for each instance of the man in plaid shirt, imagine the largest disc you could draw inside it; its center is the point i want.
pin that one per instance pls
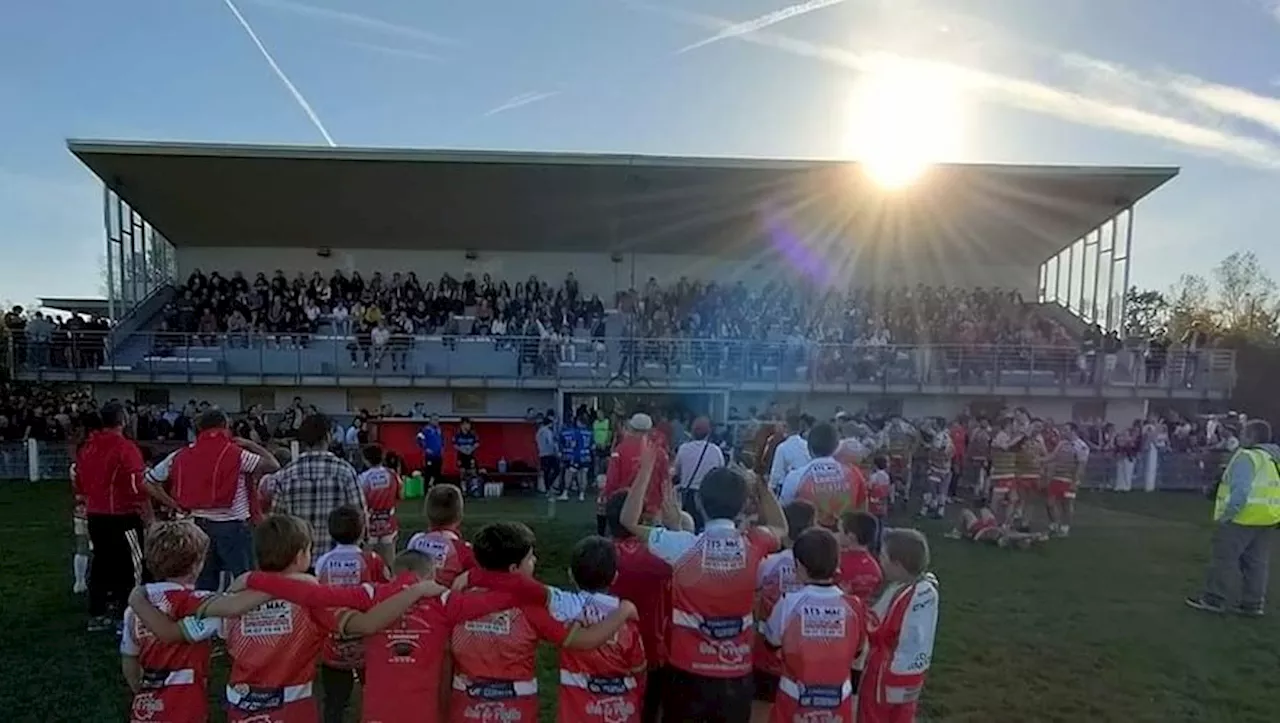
(315, 484)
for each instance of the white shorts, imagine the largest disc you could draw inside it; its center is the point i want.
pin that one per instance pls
(80, 525)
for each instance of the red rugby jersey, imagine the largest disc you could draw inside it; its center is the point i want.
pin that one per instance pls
(645, 580)
(382, 492)
(346, 566)
(452, 554)
(860, 574)
(174, 675)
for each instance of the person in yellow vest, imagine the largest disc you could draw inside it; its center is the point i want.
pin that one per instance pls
(1247, 512)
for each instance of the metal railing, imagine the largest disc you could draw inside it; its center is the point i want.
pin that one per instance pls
(1171, 470)
(208, 357)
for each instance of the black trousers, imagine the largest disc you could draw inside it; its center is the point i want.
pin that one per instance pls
(690, 697)
(689, 503)
(116, 566)
(336, 685)
(655, 684)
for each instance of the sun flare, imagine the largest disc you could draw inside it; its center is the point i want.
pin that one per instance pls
(904, 116)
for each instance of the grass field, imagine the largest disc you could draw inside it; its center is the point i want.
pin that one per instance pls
(1086, 629)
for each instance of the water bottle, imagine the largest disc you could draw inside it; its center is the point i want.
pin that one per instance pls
(502, 465)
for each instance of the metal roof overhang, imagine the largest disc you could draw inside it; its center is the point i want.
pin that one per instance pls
(240, 195)
(75, 305)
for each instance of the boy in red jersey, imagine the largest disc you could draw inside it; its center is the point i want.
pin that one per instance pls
(495, 656)
(904, 621)
(275, 645)
(777, 577)
(404, 662)
(1067, 459)
(604, 685)
(168, 678)
(645, 580)
(860, 573)
(345, 565)
(442, 542)
(831, 487)
(879, 488)
(821, 630)
(382, 492)
(980, 525)
(713, 581)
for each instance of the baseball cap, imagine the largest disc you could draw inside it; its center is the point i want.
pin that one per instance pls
(640, 422)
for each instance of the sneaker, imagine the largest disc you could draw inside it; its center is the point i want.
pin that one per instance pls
(1199, 603)
(80, 588)
(99, 623)
(581, 497)
(1248, 611)
(564, 497)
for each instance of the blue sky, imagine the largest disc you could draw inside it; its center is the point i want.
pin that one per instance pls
(1194, 83)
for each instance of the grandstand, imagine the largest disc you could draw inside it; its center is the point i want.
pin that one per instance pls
(835, 291)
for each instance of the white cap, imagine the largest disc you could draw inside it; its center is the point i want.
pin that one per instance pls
(640, 422)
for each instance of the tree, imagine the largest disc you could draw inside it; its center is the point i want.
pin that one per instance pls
(1146, 311)
(1248, 305)
(1190, 304)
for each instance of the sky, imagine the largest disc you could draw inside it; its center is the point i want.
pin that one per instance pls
(1191, 83)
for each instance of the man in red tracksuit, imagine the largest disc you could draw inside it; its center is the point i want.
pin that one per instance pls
(109, 471)
(625, 464)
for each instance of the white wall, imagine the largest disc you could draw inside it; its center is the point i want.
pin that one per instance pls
(596, 272)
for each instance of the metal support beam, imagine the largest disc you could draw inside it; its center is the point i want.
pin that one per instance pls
(1128, 251)
(1111, 273)
(106, 230)
(1097, 269)
(1071, 271)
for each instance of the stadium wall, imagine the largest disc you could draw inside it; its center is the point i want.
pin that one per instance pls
(480, 403)
(598, 273)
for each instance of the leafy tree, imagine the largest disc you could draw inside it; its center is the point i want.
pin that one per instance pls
(1146, 311)
(1247, 303)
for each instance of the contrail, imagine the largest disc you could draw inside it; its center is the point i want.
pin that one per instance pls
(297, 95)
(523, 99)
(356, 20)
(762, 22)
(396, 52)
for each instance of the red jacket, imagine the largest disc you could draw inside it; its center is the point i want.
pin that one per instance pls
(624, 465)
(206, 474)
(109, 473)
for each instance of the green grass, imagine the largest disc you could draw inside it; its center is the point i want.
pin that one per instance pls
(1090, 628)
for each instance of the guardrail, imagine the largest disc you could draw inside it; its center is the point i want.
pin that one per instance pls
(1174, 471)
(209, 357)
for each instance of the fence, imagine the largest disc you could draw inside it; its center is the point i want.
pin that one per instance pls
(209, 357)
(1183, 471)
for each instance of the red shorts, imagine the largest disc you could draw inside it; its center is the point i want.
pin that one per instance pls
(581, 706)
(787, 709)
(174, 703)
(383, 524)
(1002, 485)
(1062, 489)
(1028, 483)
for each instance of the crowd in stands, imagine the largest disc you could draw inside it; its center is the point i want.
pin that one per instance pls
(43, 340)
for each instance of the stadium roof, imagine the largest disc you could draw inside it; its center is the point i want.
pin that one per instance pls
(241, 195)
(76, 305)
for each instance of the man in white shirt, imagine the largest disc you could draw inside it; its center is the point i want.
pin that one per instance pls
(694, 459)
(792, 453)
(230, 538)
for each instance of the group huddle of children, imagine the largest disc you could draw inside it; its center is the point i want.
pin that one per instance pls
(809, 623)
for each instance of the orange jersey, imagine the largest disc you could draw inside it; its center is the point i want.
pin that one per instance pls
(382, 492)
(451, 553)
(174, 675)
(346, 566)
(604, 685)
(832, 488)
(777, 577)
(274, 649)
(860, 573)
(494, 661)
(820, 631)
(713, 586)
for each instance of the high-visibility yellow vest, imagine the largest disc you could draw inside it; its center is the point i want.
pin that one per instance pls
(1263, 507)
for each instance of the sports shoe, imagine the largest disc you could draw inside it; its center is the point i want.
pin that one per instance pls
(1248, 611)
(564, 497)
(581, 497)
(80, 588)
(1199, 603)
(99, 624)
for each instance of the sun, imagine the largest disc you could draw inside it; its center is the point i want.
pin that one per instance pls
(904, 116)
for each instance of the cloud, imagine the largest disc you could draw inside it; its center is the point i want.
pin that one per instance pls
(762, 22)
(396, 52)
(1134, 115)
(1230, 100)
(356, 20)
(288, 84)
(521, 100)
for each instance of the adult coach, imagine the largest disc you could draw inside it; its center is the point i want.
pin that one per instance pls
(431, 442)
(215, 477)
(315, 484)
(694, 460)
(109, 472)
(1247, 510)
